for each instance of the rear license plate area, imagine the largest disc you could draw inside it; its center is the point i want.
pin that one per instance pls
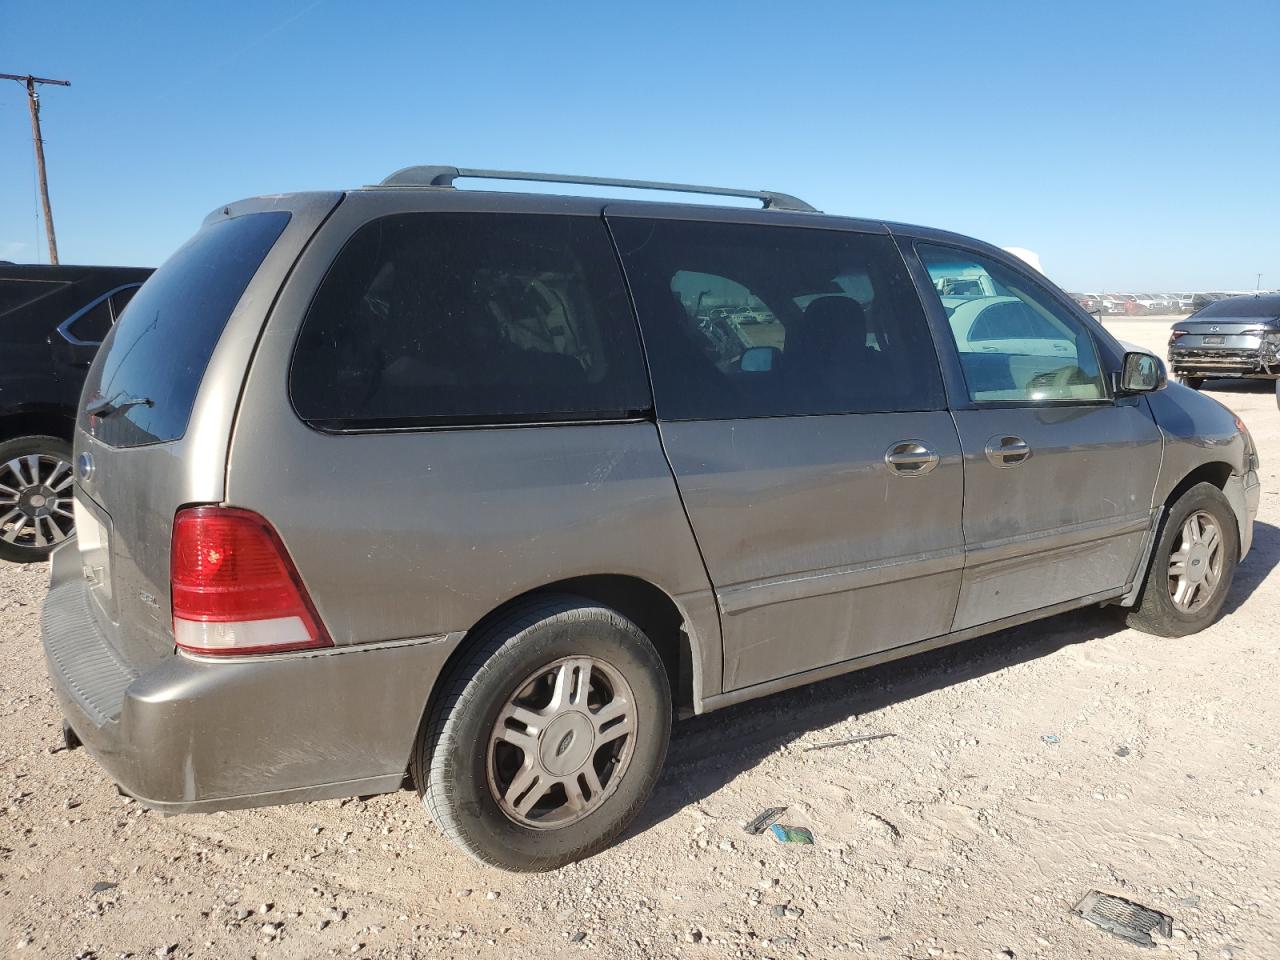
(93, 537)
(1214, 341)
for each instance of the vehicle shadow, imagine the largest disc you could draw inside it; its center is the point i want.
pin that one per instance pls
(1239, 386)
(1263, 558)
(709, 751)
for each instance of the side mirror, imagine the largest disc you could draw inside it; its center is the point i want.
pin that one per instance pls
(1142, 373)
(758, 359)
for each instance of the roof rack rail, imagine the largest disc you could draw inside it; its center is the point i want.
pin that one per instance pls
(433, 176)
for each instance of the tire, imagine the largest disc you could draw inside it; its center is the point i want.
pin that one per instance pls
(1156, 611)
(458, 768)
(27, 532)
(1195, 383)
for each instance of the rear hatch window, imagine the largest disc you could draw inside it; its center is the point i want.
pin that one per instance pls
(1242, 308)
(144, 381)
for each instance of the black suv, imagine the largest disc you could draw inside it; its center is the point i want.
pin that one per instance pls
(52, 320)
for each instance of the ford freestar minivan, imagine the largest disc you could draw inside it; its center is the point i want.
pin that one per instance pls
(479, 489)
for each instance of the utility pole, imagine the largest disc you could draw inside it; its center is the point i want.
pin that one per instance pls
(33, 101)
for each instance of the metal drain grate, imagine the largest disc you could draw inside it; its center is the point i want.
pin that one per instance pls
(1125, 919)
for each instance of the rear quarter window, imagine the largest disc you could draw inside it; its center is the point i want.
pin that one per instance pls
(159, 349)
(433, 319)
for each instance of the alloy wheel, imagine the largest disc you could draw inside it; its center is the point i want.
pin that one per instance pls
(35, 501)
(562, 742)
(1195, 565)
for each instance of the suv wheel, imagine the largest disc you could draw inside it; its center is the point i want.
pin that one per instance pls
(547, 739)
(35, 497)
(1192, 566)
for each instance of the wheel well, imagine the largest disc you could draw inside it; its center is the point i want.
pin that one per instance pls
(16, 425)
(1216, 473)
(645, 605)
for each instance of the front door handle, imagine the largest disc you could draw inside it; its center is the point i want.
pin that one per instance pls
(1008, 451)
(911, 458)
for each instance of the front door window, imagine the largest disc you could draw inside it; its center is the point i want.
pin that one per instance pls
(1016, 342)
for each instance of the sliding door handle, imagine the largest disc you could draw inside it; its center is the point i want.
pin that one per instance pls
(1008, 451)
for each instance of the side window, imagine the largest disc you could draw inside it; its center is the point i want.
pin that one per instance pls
(93, 325)
(766, 321)
(433, 318)
(1016, 342)
(120, 299)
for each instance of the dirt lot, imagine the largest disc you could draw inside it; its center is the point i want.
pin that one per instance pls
(1024, 770)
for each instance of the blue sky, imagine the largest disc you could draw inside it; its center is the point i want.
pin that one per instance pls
(1132, 145)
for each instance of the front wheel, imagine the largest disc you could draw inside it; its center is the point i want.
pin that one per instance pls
(1192, 566)
(547, 739)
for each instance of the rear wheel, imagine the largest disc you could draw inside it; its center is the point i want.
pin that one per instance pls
(545, 742)
(1192, 566)
(35, 497)
(1195, 383)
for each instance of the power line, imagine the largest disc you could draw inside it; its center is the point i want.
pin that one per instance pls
(33, 101)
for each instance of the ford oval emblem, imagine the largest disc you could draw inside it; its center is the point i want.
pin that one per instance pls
(84, 466)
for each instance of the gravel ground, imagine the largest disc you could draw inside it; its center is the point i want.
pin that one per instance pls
(1024, 770)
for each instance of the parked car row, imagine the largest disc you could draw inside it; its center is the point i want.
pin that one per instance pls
(480, 489)
(52, 320)
(1146, 304)
(1134, 304)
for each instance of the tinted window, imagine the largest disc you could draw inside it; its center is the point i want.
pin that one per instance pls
(1243, 307)
(120, 299)
(431, 318)
(1016, 341)
(161, 346)
(93, 325)
(761, 321)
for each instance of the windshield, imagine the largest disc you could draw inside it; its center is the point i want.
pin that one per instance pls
(143, 383)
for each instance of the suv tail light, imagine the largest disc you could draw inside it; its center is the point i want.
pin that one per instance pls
(234, 588)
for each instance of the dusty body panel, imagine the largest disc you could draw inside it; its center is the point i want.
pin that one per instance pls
(1068, 521)
(1198, 430)
(135, 491)
(801, 524)
(187, 735)
(440, 527)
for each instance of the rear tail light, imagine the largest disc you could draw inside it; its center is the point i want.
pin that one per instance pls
(234, 588)
(1175, 335)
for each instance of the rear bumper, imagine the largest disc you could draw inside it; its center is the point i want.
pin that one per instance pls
(194, 735)
(1233, 362)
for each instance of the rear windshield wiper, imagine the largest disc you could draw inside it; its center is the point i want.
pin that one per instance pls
(105, 408)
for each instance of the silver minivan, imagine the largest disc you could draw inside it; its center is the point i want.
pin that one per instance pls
(474, 491)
